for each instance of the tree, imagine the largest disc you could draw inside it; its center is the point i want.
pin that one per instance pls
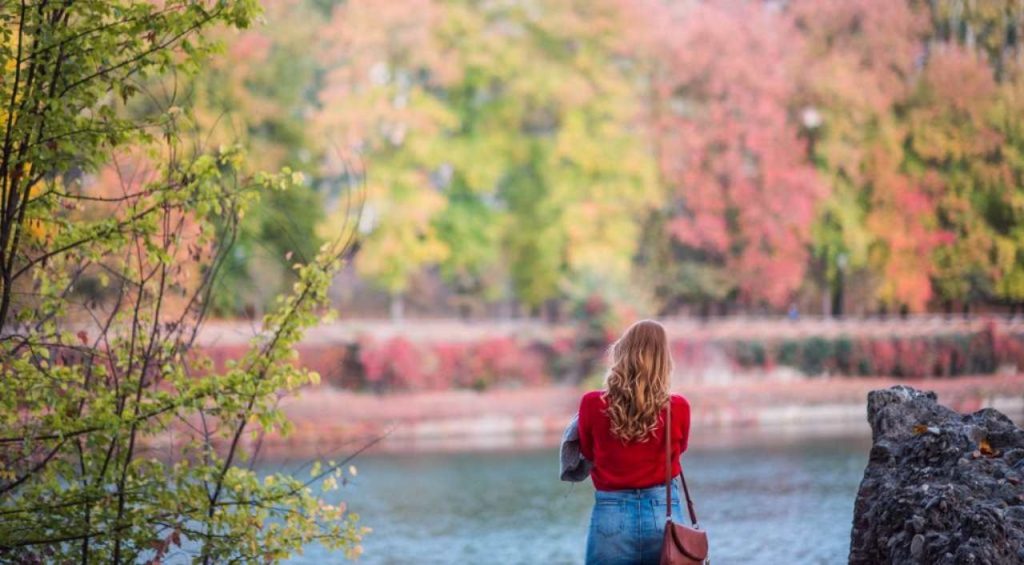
(103, 289)
(991, 28)
(967, 127)
(501, 143)
(376, 102)
(859, 66)
(955, 151)
(258, 93)
(744, 195)
(1005, 205)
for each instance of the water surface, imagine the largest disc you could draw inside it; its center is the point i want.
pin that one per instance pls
(787, 500)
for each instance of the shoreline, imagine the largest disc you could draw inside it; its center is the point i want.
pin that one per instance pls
(228, 332)
(329, 421)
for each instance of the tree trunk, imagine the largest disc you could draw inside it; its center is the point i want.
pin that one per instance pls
(837, 298)
(397, 307)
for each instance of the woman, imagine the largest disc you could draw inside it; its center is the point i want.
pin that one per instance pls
(621, 432)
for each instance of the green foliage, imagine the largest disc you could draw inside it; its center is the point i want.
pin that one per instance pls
(844, 355)
(944, 355)
(789, 353)
(498, 140)
(816, 353)
(750, 353)
(269, 239)
(118, 442)
(258, 93)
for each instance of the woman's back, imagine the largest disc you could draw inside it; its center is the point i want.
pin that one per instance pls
(629, 465)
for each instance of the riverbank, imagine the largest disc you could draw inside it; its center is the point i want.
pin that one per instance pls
(225, 333)
(331, 421)
(439, 355)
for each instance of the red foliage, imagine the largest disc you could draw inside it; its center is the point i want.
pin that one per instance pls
(452, 363)
(395, 363)
(563, 345)
(407, 368)
(374, 363)
(861, 51)
(502, 359)
(1009, 350)
(689, 353)
(981, 352)
(745, 189)
(915, 358)
(327, 360)
(399, 364)
(882, 355)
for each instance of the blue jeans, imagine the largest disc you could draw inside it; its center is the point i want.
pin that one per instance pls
(626, 526)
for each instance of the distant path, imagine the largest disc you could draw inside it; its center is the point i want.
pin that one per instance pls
(238, 332)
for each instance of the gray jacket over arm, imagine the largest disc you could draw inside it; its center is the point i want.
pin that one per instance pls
(574, 467)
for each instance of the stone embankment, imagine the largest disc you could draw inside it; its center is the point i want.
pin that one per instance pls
(940, 487)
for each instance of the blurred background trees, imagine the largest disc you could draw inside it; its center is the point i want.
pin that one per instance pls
(522, 157)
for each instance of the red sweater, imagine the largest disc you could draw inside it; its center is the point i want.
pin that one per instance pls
(619, 465)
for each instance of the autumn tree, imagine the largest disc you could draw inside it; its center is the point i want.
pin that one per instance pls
(93, 381)
(957, 153)
(500, 140)
(744, 195)
(879, 219)
(968, 129)
(662, 154)
(377, 108)
(917, 143)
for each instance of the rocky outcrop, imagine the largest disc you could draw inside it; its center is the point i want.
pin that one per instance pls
(939, 487)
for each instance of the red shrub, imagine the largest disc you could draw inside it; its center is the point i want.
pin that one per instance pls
(1009, 350)
(451, 364)
(945, 355)
(563, 345)
(501, 360)
(327, 360)
(399, 364)
(884, 356)
(916, 358)
(408, 364)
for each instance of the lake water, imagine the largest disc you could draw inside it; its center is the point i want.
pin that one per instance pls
(775, 501)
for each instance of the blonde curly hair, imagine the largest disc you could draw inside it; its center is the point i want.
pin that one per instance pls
(637, 382)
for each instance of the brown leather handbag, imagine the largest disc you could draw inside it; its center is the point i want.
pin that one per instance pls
(682, 544)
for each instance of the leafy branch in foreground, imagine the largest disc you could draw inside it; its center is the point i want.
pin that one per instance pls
(119, 442)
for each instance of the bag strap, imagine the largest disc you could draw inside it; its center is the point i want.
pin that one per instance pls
(668, 471)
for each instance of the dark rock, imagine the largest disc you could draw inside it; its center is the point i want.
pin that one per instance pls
(1013, 456)
(917, 546)
(939, 487)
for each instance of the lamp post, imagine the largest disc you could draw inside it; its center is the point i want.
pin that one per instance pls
(811, 120)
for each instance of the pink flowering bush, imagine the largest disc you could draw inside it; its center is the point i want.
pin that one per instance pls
(393, 364)
(397, 364)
